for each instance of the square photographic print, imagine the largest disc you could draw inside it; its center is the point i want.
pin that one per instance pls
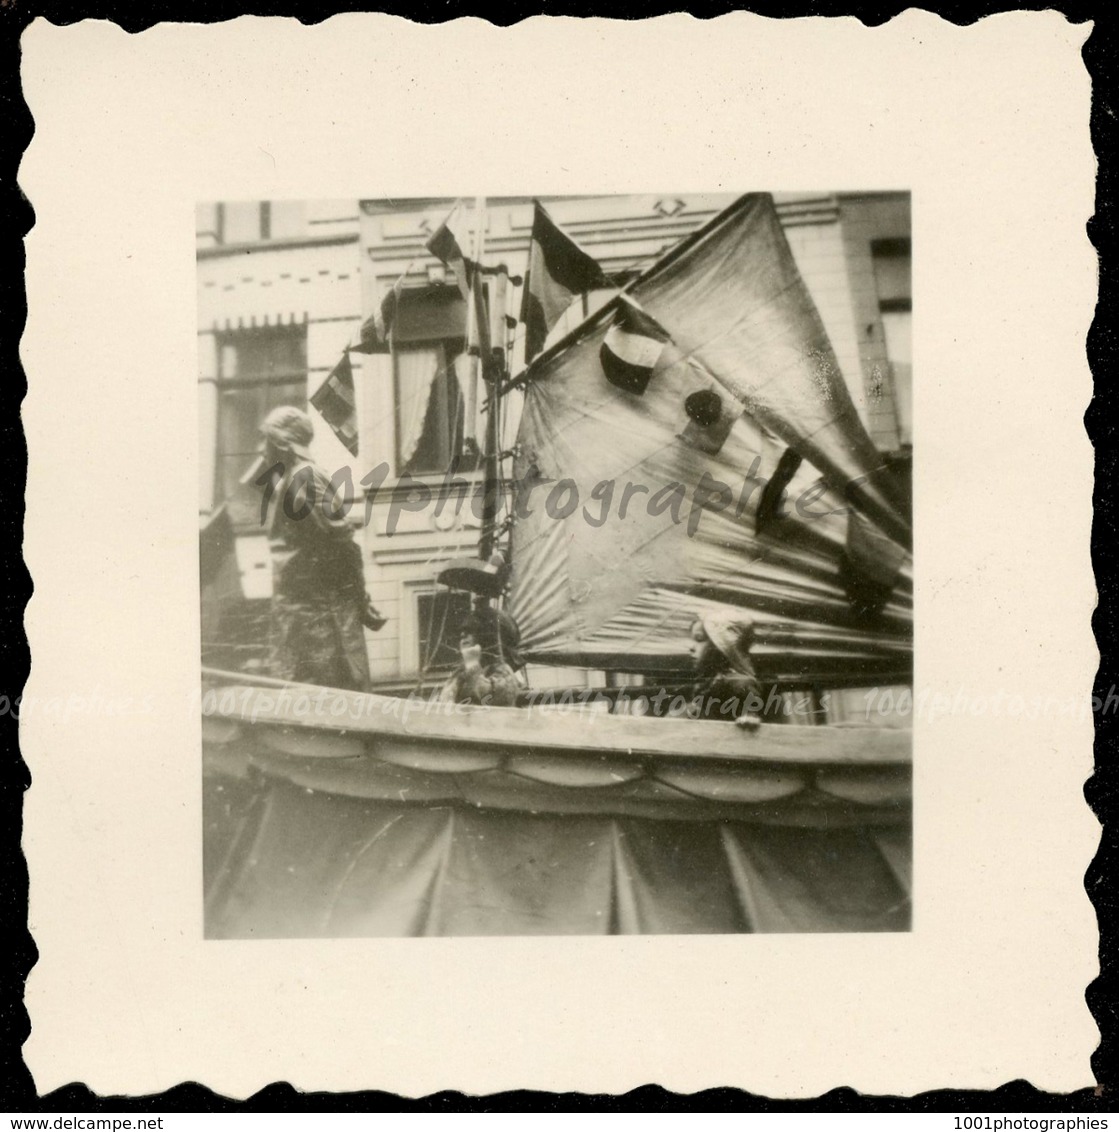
(557, 724)
(556, 564)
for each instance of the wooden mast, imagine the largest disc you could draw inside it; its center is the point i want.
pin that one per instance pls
(486, 355)
(490, 318)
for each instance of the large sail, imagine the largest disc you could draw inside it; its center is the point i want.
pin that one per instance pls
(638, 504)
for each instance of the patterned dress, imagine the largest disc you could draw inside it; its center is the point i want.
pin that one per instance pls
(318, 588)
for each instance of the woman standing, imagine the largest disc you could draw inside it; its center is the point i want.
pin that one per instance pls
(319, 605)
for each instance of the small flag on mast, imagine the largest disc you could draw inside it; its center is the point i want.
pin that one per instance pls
(558, 270)
(447, 244)
(632, 347)
(335, 401)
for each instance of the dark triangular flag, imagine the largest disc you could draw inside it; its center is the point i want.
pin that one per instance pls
(632, 347)
(335, 400)
(448, 244)
(558, 270)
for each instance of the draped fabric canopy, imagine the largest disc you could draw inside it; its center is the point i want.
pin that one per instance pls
(283, 861)
(631, 520)
(524, 824)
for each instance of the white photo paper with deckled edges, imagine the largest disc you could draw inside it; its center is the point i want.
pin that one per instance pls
(176, 171)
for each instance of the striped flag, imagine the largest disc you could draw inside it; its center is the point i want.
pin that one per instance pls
(447, 244)
(632, 347)
(558, 270)
(374, 337)
(335, 401)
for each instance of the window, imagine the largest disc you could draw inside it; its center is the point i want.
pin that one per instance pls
(258, 369)
(429, 407)
(439, 621)
(892, 277)
(431, 374)
(244, 222)
(897, 326)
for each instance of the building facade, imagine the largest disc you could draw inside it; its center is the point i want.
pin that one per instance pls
(284, 287)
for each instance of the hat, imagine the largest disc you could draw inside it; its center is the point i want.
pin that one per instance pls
(486, 579)
(289, 429)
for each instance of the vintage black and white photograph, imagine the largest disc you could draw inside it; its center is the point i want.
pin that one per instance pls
(506, 615)
(556, 564)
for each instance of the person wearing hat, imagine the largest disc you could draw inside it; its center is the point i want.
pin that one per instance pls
(725, 673)
(319, 605)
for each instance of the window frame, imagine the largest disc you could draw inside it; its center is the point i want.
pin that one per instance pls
(886, 249)
(227, 383)
(413, 636)
(413, 336)
(265, 225)
(454, 439)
